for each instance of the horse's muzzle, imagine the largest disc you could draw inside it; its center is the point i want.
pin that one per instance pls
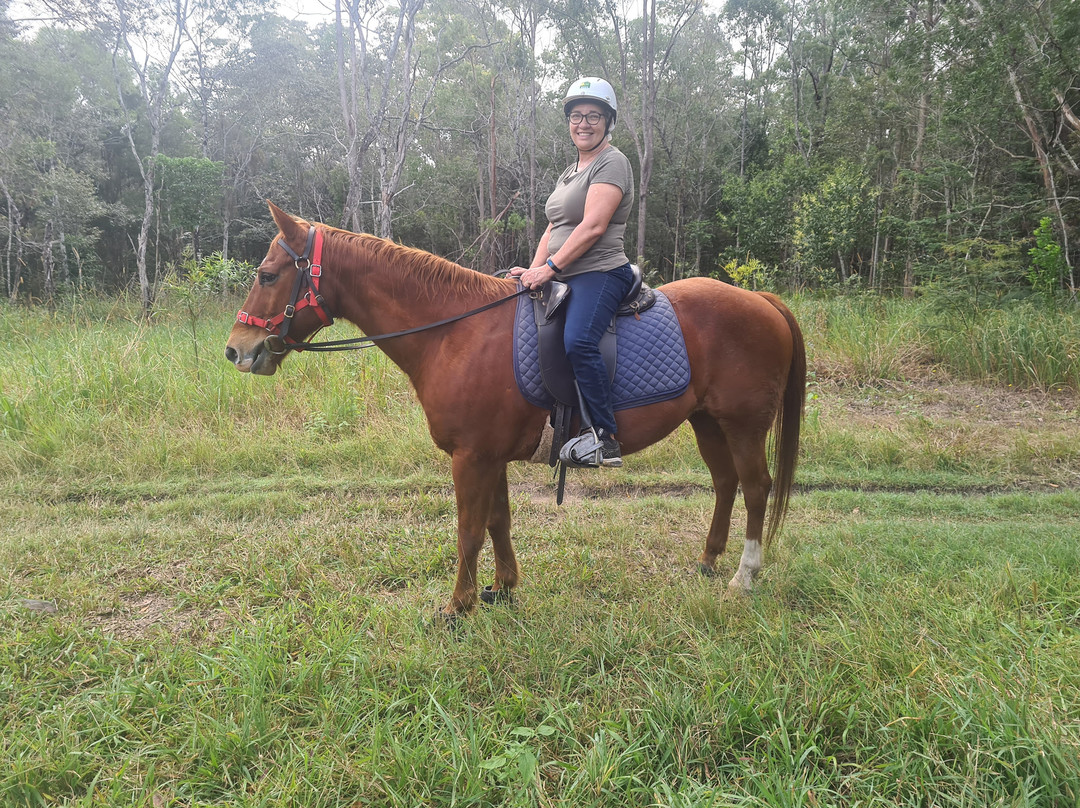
(256, 359)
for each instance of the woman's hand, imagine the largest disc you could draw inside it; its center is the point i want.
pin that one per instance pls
(533, 277)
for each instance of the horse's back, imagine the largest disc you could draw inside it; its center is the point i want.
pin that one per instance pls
(739, 342)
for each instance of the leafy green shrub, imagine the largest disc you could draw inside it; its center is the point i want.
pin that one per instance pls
(976, 275)
(832, 218)
(1047, 268)
(750, 275)
(195, 283)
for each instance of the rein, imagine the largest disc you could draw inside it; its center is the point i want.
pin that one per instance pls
(358, 343)
(311, 272)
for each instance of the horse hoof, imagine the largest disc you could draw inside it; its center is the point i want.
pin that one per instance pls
(494, 597)
(443, 621)
(739, 589)
(706, 570)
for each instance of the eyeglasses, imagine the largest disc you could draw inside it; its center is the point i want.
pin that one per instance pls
(593, 117)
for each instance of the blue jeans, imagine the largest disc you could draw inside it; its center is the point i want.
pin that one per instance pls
(593, 299)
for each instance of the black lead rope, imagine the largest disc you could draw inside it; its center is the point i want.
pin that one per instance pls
(359, 343)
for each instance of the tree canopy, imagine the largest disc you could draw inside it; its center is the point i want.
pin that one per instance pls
(850, 143)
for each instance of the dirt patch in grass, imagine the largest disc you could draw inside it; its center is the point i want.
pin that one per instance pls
(942, 399)
(140, 616)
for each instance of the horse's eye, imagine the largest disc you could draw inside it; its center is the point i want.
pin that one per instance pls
(267, 278)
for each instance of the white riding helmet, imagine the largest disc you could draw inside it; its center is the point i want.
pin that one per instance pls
(591, 88)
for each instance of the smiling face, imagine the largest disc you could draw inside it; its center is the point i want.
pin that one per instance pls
(588, 136)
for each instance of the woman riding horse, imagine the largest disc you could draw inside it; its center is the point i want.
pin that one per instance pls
(745, 350)
(583, 246)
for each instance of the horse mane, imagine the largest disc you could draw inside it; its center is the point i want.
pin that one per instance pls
(433, 273)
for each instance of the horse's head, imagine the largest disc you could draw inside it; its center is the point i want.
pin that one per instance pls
(284, 305)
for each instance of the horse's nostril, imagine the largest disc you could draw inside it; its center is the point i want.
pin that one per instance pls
(232, 355)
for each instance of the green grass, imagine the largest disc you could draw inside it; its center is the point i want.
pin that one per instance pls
(244, 572)
(869, 338)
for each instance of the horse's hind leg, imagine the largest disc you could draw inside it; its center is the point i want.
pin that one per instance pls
(712, 443)
(751, 463)
(506, 566)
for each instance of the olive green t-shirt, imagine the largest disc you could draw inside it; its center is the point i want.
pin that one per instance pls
(566, 208)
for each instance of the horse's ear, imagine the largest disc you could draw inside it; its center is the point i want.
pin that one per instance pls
(289, 227)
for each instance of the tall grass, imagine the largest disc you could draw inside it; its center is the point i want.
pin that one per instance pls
(93, 392)
(868, 338)
(862, 338)
(1026, 346)
(96, 392)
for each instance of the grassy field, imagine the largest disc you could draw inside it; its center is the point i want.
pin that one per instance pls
(216, 590)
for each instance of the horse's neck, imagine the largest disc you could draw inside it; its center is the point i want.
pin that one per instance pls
(385, 288)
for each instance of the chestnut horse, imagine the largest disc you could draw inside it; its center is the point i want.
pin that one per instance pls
(747, 362)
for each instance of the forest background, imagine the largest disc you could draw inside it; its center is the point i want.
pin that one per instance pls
(820, 143)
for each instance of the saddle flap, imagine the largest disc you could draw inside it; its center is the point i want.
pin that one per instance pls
(554, 367)
(557, 292)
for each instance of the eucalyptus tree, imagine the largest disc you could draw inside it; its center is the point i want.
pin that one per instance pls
(602, 37)
(816, 34)
(1033, 45)
(147, 38)
(364, 85)
(528, 22)
(274, 118)
(390, 61)
(700, 140)
(924, 16)
(55, 110)
(755, 29)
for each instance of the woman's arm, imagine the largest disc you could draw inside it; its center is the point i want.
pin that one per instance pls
(538, 265)
(541, 256)
(600, 205)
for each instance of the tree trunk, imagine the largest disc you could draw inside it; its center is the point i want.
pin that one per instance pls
(492, 238)
(350, 214)
(922, 116)
(145, 292)
(648, 118)
(48, 262)
(531, 224)
(12, 276)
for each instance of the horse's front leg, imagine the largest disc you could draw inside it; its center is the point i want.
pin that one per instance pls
(476, 481)
(506, 566)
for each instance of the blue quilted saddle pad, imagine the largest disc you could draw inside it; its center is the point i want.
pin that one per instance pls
(651, 364)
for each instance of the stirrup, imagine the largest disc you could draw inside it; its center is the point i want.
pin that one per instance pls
(586, 451)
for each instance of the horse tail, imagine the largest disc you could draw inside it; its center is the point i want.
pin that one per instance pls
(788, 422)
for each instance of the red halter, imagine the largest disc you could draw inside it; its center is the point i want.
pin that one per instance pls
(308, 272)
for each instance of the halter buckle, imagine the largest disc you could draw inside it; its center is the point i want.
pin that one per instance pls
(242, 317)
(315, 270)
(290, 310)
